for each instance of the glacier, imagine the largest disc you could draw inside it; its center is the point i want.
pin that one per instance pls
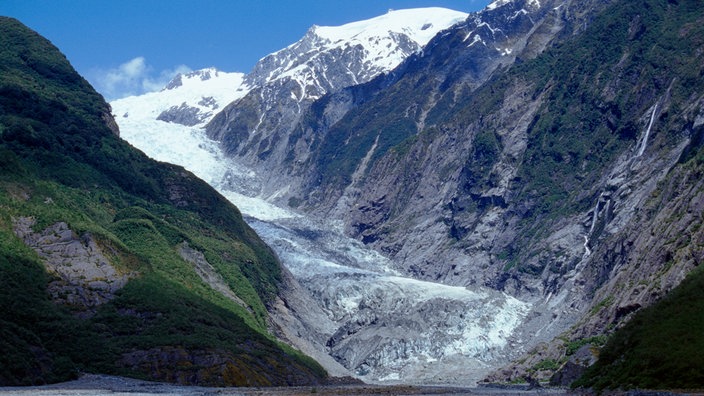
(389, 328)
(205, 91)
(379, 325)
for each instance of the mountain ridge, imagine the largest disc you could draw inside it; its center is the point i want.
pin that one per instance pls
(199, 107)
(276, 105)
(379, 45)
(491, 193)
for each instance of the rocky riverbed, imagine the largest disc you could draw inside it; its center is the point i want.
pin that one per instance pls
(103, 385)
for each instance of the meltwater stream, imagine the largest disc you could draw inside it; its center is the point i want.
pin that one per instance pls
(381, 326)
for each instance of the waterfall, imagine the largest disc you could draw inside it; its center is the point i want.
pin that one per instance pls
(595, 217)
(596, 214)
(644, 143)
(587, 251)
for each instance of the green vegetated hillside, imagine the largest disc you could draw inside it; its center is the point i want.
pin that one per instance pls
(595, 89)
(99, 247)
(660, 348)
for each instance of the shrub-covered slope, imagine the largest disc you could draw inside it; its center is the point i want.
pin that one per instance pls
(111, 262)
(660, 348)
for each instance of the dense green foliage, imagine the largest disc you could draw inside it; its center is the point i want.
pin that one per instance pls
(592, 90)
(636, 64)
(61, 162)
(31, 324)
(595, 89)
(660, 348)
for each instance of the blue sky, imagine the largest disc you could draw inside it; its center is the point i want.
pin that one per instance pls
(145, 42)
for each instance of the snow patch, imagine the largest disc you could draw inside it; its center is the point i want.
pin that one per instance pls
(504, 51)
(497, 3)
(476, 39)
(500, 3)
(207, 90)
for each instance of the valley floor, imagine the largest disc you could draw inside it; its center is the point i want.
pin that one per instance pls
(103, 385)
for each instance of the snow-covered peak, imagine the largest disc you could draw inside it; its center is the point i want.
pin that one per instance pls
(326, 58)
(418, 24)
(334, 57)
(197, 96)
(496, 4)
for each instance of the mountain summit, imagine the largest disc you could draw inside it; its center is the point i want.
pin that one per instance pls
(329, 58)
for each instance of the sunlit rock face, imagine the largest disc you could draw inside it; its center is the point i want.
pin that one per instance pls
(83, 278)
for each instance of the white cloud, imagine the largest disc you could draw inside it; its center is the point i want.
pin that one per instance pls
(133, 77)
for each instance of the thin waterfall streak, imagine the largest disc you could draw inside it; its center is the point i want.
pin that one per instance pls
(587, 251)
(607, 209)
(644, 143)
(594, 218)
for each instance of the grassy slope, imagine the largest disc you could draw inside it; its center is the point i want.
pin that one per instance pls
(59, 161)
(661, 47)
(636, 50)
(591, 110)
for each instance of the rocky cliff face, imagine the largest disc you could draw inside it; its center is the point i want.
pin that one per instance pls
(520, 151)
(502, 191)
(287, 123)
(83, 277)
